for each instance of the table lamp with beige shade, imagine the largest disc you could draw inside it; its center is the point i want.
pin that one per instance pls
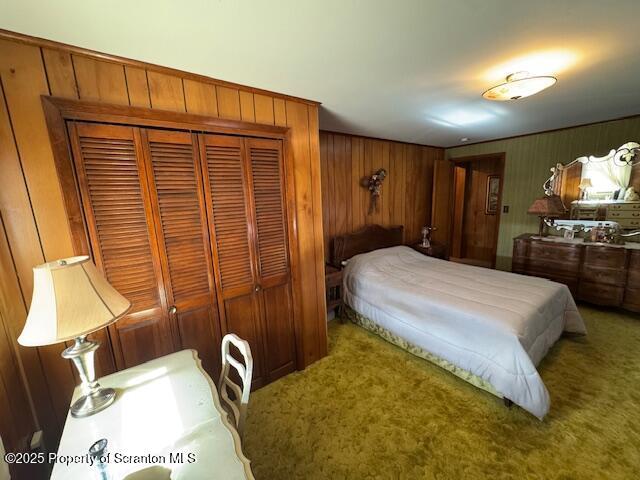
(585, 185)
(71, 299)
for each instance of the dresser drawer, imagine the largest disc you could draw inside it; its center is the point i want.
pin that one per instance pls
(633, 207)
(600, 294)
(570, 280)
(633, 278)
(554, 252)
(520, 248)
(629, 224)
(623, 214)
(554, 266)
(632, 299)
(610, 257)
(608, 276)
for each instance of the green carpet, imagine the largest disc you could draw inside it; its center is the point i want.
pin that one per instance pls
(370, 410)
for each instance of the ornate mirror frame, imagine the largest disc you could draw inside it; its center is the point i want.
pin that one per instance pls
(556, 184)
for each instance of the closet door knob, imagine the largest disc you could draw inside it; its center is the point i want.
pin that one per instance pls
(173, 310)
(257, 288)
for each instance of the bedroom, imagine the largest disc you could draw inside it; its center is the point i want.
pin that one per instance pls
(271, 170)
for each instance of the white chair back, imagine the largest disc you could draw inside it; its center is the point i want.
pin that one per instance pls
(237, 407)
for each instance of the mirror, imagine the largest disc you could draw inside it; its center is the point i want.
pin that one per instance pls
(614, 211)
(600, 189)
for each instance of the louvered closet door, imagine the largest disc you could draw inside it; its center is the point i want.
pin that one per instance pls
(176, 189)
(225, 178)
(113, 186)
(267, 181)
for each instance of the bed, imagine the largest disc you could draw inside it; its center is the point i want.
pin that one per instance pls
(489, 327)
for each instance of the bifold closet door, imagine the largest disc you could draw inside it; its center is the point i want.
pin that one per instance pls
(267, 182)
(225, 177)
(244, 179)
(109, 162)
(173, 168)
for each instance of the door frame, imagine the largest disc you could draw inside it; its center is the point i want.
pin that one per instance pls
(457, 162)
(58, 111)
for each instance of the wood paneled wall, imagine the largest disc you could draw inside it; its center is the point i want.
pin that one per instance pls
(406, 192)
(31, 202)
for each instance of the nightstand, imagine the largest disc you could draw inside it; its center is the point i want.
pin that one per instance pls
(437, 250)
(333, 286)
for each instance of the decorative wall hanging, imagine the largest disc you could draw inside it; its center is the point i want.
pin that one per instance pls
(493, 194)
(374, 185)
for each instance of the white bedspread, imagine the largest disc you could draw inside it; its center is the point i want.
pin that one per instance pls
(496, 325)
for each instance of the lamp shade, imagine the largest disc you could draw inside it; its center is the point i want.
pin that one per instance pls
(585, 183)
(70, 299)
(548, 206)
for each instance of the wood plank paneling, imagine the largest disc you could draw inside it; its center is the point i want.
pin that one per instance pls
(15, 206)
(279, 112)
(304, 173)
(137, 86)
(324, 170)
(358, 193)
(59, 67)
(397, 181)
(200, 98)
(228, 103)
(13, 311)
(12, 376)
(166, 92)
(263, 109)
(100, 81)
(247, 109)
(24, 80)
(406, 192)
(320, 338)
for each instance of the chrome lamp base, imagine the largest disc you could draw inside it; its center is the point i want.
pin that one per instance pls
(94, 398)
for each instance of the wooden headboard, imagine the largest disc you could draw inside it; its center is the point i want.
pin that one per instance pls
(371, 237)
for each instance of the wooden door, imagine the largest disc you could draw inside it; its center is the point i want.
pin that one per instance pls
(475, 229)
(175, 183)
(113, 187)
(459, 187)
(442, 204)
(225, 174)
(272, 254)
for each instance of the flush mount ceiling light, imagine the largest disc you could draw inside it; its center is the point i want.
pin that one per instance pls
(519, 85)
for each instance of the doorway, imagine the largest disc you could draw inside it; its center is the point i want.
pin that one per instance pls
(477, 194)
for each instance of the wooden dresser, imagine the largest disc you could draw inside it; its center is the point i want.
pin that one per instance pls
(602, 274)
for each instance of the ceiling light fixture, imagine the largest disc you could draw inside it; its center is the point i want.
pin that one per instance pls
(519, 85)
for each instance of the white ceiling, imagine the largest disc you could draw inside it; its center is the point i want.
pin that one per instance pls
(411, 70)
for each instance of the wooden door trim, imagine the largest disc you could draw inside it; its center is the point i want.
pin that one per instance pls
(501, 157)
(58, 111)
(483, 156)
(83, 110)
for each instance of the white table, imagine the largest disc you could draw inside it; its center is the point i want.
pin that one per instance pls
(165, 406)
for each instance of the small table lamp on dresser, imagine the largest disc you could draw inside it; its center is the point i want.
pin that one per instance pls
(71, 299)
(548, 206)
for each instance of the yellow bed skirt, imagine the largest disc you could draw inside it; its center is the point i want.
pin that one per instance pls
(373, 327)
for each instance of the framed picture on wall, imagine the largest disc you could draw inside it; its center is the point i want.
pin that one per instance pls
(493, 194)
